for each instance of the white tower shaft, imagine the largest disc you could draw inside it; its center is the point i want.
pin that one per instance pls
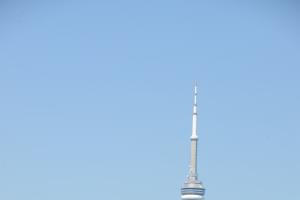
(193, 188)
(194, 140)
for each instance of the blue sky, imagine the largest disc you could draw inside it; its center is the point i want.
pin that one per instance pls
(96, 98)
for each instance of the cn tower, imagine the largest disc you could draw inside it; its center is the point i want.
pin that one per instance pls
(193, 188)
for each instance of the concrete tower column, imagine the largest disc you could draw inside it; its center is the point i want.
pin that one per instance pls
(194, 139)
(193, 188)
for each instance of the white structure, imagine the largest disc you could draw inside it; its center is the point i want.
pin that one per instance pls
(193, 188)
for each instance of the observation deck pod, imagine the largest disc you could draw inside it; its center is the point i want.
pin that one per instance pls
(192, 191)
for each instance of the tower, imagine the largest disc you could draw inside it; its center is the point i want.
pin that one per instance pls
(193, 188)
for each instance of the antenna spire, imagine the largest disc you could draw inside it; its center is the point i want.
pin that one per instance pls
(194, 125)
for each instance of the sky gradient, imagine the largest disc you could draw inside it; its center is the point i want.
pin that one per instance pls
(96, 98)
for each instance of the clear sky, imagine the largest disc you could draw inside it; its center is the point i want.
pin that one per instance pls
(96, 98)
